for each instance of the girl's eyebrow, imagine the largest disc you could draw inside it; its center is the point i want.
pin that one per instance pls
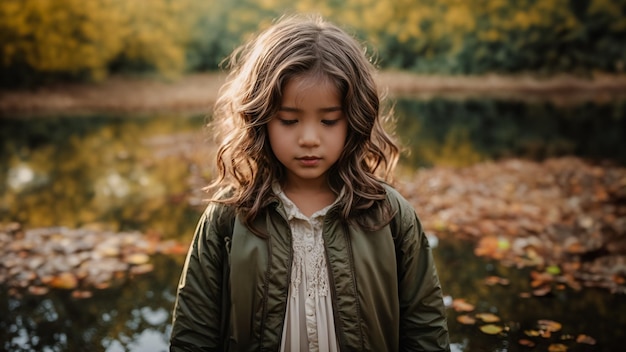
(326, 110)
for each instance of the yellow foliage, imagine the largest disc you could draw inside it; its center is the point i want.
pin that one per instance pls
(78, 36)
(86, 36)
(457, 151)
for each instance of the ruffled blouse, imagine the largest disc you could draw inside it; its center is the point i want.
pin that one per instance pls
(309, 324)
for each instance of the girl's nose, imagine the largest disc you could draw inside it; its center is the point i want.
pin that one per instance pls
(309, 136)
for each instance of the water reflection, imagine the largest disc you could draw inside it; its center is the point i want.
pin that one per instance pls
(124, 173)
(136, 315)
(459, 133)
(133, 316)
(144, 173)
(591, 311)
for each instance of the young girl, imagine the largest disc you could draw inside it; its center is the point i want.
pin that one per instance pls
(305, 248)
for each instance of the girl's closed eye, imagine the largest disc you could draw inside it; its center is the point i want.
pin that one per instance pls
(287, 122)
(330, 122)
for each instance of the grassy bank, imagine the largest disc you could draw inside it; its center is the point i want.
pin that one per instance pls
(196, 93)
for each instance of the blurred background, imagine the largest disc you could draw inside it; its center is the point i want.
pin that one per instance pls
(70, 39)
(512, 114)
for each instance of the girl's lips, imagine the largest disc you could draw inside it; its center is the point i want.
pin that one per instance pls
(309, 160)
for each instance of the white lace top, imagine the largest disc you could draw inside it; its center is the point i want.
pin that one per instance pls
(309, 324)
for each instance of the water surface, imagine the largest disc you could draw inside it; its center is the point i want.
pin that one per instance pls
(145, 173)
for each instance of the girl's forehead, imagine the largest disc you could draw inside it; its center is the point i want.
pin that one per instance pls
(310, 86)
(307, 80)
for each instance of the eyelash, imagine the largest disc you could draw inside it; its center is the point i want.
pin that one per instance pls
(287, 122)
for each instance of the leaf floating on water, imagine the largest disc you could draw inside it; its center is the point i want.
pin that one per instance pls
(66, 281)
(493, 280)
(142, 269)
(137, 259)
(38, 290)
(586, 339)
(491, 329)
(526, 342)
(460, 305)
(108, 251)
(540, 279)
(542, 291)
(488, 317)
(532, 332)
(557, 347)
(466, 319)
(80, 294)
(549, 325)
(553, 270)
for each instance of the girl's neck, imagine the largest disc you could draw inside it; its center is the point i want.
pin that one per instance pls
(310, 199)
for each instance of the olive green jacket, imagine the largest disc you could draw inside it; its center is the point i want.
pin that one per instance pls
(233, 290)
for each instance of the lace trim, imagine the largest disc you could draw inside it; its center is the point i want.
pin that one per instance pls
(309, 261)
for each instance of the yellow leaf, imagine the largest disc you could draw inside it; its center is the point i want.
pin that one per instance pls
(488, 317)
(137, 259)
(549, 325)
(491, 329)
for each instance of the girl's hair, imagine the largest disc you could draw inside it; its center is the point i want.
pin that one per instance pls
(252, 94)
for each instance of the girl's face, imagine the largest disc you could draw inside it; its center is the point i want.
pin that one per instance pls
(308, 133)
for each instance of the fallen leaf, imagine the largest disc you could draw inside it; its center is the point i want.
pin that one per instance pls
(460, 305)
(38, 290)
(66, 281)
(493, 280)
(488, 317)
(542, 291)
(557, 347)
(142, 269)
(526, 342)
(549, 325)
(466, 319)
(586, 339)
(491, 329)
(82, 294)
(553, 270)
(532, 332)
(137, 259)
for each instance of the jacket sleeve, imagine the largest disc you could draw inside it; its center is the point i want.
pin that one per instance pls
(198, 317)
(423, 323)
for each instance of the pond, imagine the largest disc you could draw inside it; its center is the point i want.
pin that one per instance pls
(145, 173)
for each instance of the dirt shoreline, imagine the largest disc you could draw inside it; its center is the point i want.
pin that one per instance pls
(196, 93)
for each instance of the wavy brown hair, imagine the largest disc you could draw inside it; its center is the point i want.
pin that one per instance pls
(252, 94)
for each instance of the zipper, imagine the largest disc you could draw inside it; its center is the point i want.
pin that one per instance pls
(333, 295)
(266, 280)
(354, 284)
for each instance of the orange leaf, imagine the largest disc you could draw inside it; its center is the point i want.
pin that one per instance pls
(65, 281)
(582, 338)
(557, 347)
(526, 342)
(492, 280)
(82, 294)
(542, 291)
(488, 317)
(466, 319)
(549, 325)
(460, 305)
